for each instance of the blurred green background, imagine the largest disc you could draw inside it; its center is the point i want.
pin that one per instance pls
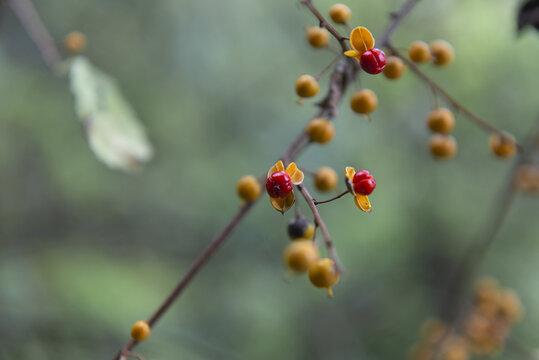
(85, 251)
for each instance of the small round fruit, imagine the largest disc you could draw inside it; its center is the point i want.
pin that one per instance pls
(326, 179)
(441, 121)
(320, 130)
(307, 86)
(443, 146)
(442, 52)
(373, 61)
(364, 101)
(317, 37)
(249, 188)
(299, 255)
(364, 183)
(300, 228)
(394, 67)
(340, 13)
(419, 52)
(503, 146)
(75, 42)
(323, 273)
(279, 185)
(140, 330)
(510, 307)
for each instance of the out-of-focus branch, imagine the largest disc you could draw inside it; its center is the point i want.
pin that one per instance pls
(30, 20)
(457, 105)
(397, 17)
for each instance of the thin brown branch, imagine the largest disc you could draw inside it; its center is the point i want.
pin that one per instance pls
(332, 199)
(396, 19)
(332, 252)
(324, 23)
(457, 105)
(30, 20)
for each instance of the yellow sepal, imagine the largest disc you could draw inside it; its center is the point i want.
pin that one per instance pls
(295, 174)
(362, 202)
(361, 39)
(351, 53)
(279, 166)
(281, 204)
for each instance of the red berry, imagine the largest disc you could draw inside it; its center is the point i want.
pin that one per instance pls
(364, 183)
(361, 175)
(279, 184)
(373, 61)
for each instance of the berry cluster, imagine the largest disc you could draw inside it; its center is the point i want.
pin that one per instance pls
(483, 331)
(302, 256)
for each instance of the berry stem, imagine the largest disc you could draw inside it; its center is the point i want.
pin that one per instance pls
(332, 199)
(457, 105)
(324, 23)
(32, 23)
(332, 252)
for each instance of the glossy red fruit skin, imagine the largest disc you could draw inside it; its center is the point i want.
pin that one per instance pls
(373, 61)
(361, 175)
(279, 185)
(365, 187)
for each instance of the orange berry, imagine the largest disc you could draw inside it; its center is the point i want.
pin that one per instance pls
(317, 37)
(364, 101)
(442, 52)
(394, 67)
(433, 330)
(340, 13)
(249, 188)
(503, 146)
(75, 42)
(419, 52)
(443, 146)
(307, 86)
(325, 179)
(323, 274)
(320, 130)
(140, 330)
(510, 306)
(441, 121)
(527, 178)
(299, 255)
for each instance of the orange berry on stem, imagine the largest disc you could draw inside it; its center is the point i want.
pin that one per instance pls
(340, 13)
(503, 146)
(317, 37)
(140, 330)
(323, 274)
(307, 86)
(75, 42)
(299, 255)
(320, 130)
(419, 52)
(442, 52)
(325, 179)
(441, 121)
(394, 67)
(249, 188)
(364, 101)
(443, 146)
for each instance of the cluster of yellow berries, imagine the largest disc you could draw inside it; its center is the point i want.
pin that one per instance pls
(440, 52)
(302, 255)
(483, 332)
(442, 144)
(75, 42)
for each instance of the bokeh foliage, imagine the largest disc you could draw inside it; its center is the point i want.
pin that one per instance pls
(85, 251)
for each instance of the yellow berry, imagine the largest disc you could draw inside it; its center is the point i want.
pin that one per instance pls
(364, 101)
(317, 37)
(443, 146)
(299, 255)
(441, 121)
(320, 130)
(140, 330)
(75, 42)
(419, 52)
(249, 188)
(442, 52)
(340, 13)
(325, 179)
(510, 306)
(433, 330)
(503, 146)
(307, 86)
(323, 273)
(394, 67)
